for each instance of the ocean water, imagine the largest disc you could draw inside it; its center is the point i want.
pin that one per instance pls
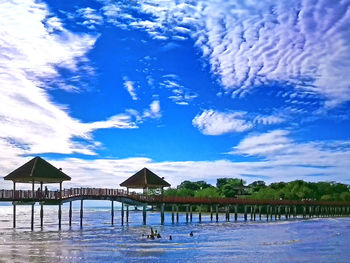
(313, 240)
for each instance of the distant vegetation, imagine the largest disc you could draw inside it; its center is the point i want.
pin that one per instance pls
(234, 187)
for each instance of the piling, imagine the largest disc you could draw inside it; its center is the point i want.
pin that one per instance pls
(217, 213)
(70, 213)
(81, 213)
(144, 215)
(162, 214)
(112, 212)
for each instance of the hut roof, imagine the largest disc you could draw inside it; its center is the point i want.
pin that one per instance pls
(37, 170)
(145, 178)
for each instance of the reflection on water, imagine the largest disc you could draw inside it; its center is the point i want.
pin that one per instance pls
(317, 240)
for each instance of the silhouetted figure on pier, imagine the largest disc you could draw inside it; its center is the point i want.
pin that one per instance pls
(46, 192)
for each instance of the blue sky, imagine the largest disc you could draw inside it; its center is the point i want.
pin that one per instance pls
(190, 89)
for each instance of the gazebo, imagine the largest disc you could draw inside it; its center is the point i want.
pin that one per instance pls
(36, 171)
(145, 179)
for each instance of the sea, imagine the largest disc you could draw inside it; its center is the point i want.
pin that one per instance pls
(294, 240)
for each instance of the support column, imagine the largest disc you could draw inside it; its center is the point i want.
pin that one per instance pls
(190, 213)
(70, 213)
(227, 213)
(267, 212)
(260, 208)
(33, 196)
(41, 215)
(127, 214)
(14, 206)
(186, 213)
(217, 213)
(32, 222)
(162, 214)
(172, 214)
(60, 208)
(41, 207)
(279, 212)
(122, 214)
(112, 212)
(254, 215)
(295, 211)
(245, 213)
(236, 212)
(177, 214)
(81, 212)
(211, 213)
(200, 214)
(144, 215)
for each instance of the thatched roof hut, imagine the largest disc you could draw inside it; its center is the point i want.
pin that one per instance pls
(145, 179)
(37, 170)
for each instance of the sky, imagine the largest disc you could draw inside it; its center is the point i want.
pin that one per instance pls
(193, 90)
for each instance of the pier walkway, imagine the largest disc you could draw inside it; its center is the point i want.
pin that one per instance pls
(266, 209)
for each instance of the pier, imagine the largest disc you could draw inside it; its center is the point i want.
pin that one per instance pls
(38, 171)
(225, 209)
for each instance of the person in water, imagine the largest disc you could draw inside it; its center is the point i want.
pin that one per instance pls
(158, 236)
(191, 234)
(170, 237)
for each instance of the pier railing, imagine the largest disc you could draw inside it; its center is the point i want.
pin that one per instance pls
(98, 193)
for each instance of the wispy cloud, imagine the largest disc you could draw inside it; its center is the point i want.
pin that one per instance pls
(180, 94)
(129, 85)
(212, 122)
(34, 45)
(302, 43)
(154, 111)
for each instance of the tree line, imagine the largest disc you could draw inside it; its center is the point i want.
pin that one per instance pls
(235, 187)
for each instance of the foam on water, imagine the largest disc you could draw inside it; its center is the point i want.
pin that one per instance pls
(315, 240)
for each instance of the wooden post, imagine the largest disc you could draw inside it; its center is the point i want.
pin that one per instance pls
(245, 213)
(295, 211)
(33, 195)
(127, 214)
(260, 212)
(60, 208)
(267, 212)
(190, 213)
(279, 212)
(112, 212)
(186, 213)
(122, 213)
(271, 212)
(227, 213)
(70, 213)
(81, 212)
(236, 212)
(144, 215)
(14, 206)
(200, 214)
(254, 213)
(177, 214)
(162, 214)
(41, 207)
(172, 214)
(211, 213)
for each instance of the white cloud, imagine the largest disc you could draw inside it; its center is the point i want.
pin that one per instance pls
(267, 120)
(264, 144)
(154, 111)
(211, 122)
(302, 43)
(129, 85)
(180, 94)
(33, 45)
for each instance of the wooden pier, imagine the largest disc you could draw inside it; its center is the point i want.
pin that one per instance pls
(39, 171)
(222, 207)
